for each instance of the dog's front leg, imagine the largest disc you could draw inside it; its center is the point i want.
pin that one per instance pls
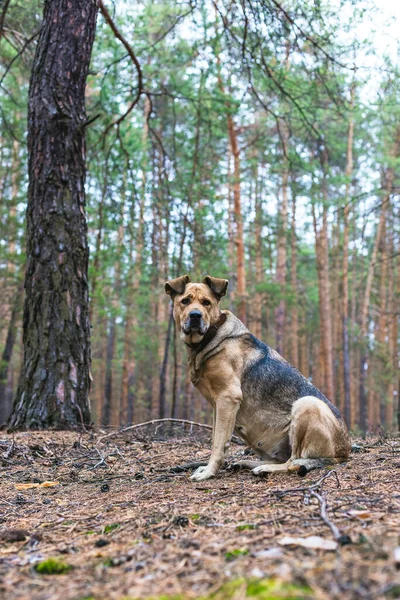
(226, 407)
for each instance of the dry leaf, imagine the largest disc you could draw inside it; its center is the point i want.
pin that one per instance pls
(28, 486)
(313, 541)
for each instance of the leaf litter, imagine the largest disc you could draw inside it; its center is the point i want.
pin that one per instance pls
(121, 521)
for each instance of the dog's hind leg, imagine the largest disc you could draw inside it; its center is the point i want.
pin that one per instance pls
(317, 438)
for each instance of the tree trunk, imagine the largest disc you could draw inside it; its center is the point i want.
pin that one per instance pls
(393, 315)
(163, 373)
(387, 187)
(258, 296)
(345, 266)
(5, 400)
(239, 241)
(55, 378)
(294, 333)
(282, 240)
(322, 255)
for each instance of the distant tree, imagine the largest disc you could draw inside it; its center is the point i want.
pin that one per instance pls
(55, 377)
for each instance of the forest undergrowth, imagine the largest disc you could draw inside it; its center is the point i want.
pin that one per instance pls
(105, 515)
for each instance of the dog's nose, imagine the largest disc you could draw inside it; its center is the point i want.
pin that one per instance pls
(195, 315)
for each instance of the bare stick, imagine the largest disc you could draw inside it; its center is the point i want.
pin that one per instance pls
(324, 515)
(153, 422)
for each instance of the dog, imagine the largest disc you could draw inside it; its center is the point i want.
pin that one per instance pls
(254, 392)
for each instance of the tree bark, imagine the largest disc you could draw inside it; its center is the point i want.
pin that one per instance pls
(54, 385)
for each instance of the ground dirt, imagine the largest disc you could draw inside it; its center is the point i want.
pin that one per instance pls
(127, 527)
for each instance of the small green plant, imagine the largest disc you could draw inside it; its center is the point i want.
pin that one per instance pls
(108, 562)
(52, 566)
(111, 527)
(245, 527)
(232, 554)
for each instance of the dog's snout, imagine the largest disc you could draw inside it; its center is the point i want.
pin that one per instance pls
(195, 315)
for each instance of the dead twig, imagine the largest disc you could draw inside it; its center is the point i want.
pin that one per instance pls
(153, 422)
(341, 538)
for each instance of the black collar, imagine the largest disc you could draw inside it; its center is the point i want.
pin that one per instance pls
(209, 335)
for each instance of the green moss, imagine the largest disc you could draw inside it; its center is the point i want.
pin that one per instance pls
(52, 566)
(244, 527)
(195, 517)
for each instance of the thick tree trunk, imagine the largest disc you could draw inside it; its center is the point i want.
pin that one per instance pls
(55, 377)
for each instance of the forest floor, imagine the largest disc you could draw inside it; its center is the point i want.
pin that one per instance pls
(115, 523)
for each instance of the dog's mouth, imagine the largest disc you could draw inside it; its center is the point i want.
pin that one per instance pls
(190, 326)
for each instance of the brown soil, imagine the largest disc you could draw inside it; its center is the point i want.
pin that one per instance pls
(130, 528)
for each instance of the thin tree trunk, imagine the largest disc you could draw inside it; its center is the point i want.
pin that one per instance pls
(282, 240)
(5, 401)
(294, 333)
(55, 378)
(239, 240)
(345, 265)
(258, 296)
(393, 314)
(163, 372)
(128, 361)
(322, 255)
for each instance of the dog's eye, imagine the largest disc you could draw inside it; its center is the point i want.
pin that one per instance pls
(206, 303)
(185, 301)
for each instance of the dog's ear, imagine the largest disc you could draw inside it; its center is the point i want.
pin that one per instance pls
(216, 285)
(176, 286)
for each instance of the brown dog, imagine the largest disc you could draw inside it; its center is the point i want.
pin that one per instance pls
(285, 419)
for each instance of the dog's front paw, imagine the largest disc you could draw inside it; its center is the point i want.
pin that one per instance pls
(203, 473)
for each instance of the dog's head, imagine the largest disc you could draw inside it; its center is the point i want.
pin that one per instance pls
(196, 305)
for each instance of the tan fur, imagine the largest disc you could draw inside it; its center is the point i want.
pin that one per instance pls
(316, 436)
